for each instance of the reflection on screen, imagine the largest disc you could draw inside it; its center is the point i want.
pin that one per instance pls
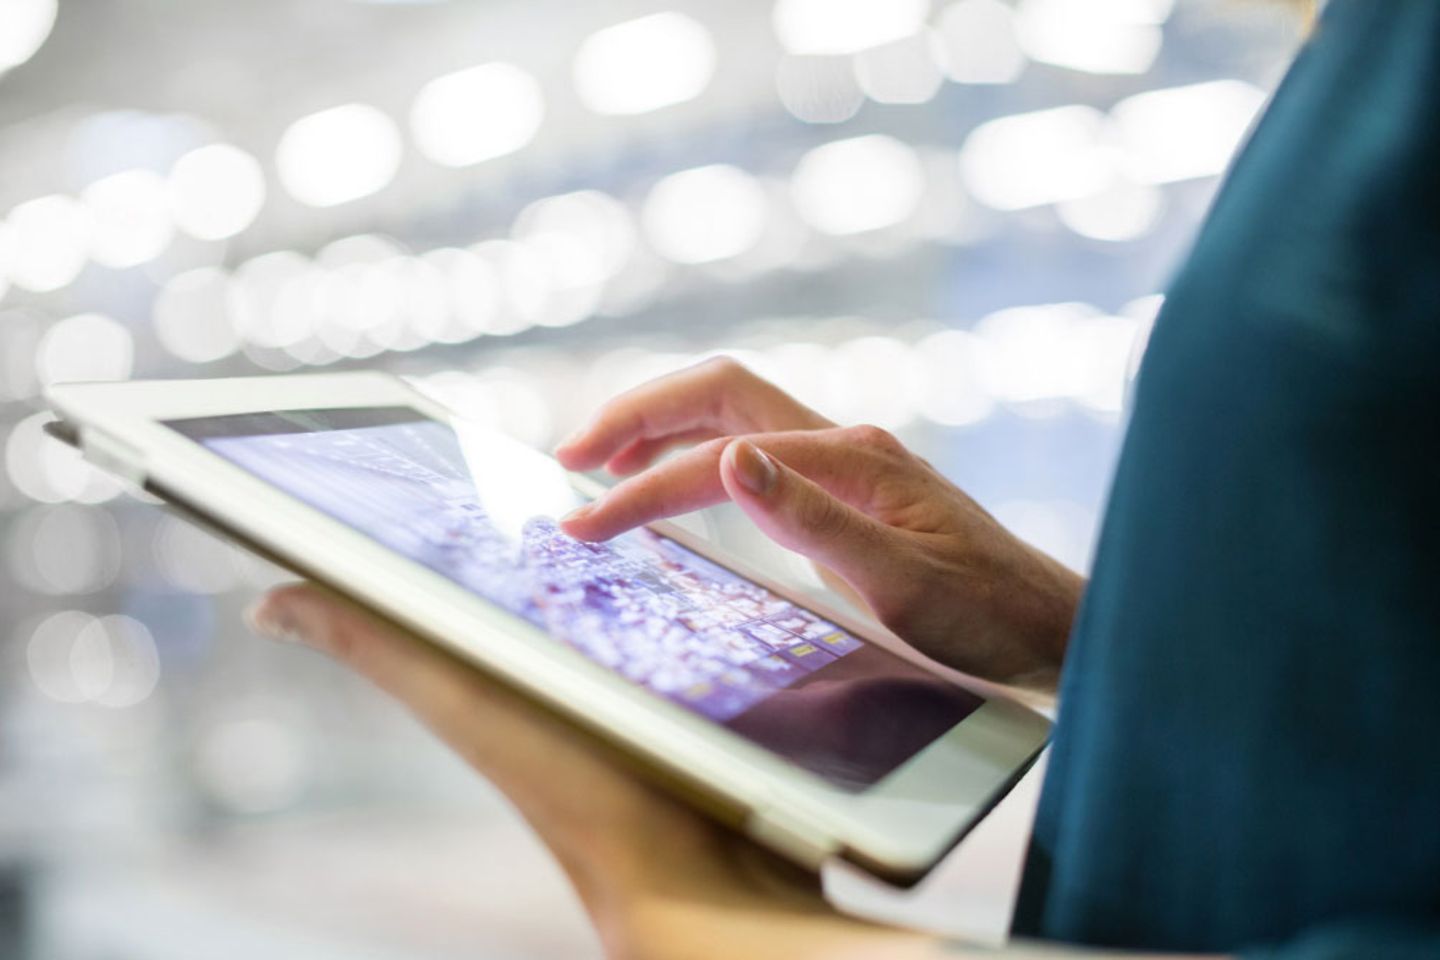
(644, 606)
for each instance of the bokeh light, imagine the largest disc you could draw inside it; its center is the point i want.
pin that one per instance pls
(859, 184)
(216, 191)
(645, 64)
(50, 239)
(130, 216)
(477, 114)
(705, 214)
(1030, 159)
(845, 26)
(88, 346)
(338, 155)
(24, 27)
(191, 316)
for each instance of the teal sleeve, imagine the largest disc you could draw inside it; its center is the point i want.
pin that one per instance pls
(1371, 939)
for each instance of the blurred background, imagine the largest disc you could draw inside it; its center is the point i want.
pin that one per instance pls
(951, 218)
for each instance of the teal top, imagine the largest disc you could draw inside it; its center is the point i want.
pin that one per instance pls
(1247, 756)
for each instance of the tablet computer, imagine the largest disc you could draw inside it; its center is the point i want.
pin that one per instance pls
(801, 726)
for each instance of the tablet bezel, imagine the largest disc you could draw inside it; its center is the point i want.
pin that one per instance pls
(897, 828)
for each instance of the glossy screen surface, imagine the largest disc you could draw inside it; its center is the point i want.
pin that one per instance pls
(479, 510)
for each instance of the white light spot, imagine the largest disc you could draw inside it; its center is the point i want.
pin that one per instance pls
(89, 346)
(951, 386)
(588, 236)
(130, 215)
(191, 316)
(818, 89)
(256, 298)
(24, 27)
(338, 155)
(979, 42)
(65, 549)
(76, 658)
(1030, 159)
(1092, 36)
(477, 114)
(216, 191)
(904, 71)
(49, 471)
(251, 766)
(50, 242)
(705, 214)
(845, 26)
(871, 380)
(860, 184)
(1124, 210)
(645, 64)
(1181, 133)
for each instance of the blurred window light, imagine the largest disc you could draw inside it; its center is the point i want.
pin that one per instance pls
(358, 248)
(48, 471)
(65, 549)
(24, 27)
(216, 191)
(51, 238)
(472, 287)
(818, 89)
(192, 560)
(905, 71)
(48, 655)
(525, 284)
(1181, 133)
(115, 661)
(251, 765)
(950, 391)
(1031, 159)
(1124, 210)
(705, 214)
(871, 380)
(645, 64)
(191, 316)
(130, 215)
(1037, 355)
(979, 43)
(845, 26)
(860, 184)
(588, 235)
(1092, 36)
(254, 298)
(477, 114)
(338, 155)
(88, 346)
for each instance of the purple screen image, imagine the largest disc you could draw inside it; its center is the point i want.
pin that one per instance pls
(642, 605)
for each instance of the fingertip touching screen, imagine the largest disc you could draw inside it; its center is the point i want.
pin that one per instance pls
(479, 509)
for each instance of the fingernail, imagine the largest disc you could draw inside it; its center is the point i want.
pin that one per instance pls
(269, 622)
(572, 439)
(579, 512)
(755, 470)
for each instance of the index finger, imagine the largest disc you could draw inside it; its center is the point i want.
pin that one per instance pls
(718, 395)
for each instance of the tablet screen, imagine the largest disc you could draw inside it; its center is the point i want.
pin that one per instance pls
(480, 511)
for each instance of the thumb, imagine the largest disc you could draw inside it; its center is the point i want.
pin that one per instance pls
(798, 513)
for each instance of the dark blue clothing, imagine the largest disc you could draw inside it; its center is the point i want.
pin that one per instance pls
(1247, 757)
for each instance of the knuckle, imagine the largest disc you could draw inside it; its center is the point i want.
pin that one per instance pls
(874, 438)
(726, 369)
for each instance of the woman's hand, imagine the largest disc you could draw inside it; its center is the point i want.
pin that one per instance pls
(657, 879)
(931, 565)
